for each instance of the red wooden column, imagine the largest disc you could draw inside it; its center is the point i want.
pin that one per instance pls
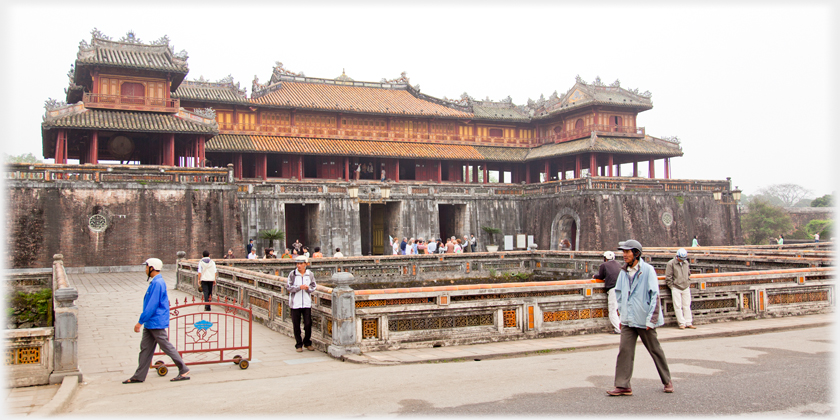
(618, 170)
(593, 163)
(262, 166)
(169, 150)
(61, 147)
(237, 165)
(201, 156)
(486, 173)
(610, 164)
(396, 170)
(439, 164)
(577, 166)
(346, 169)
(635, 169)
(651, 173)
(527, 170)
(563, 169)
(547, 170)
(94, 148)
(667, 168)
(475, 174)
(300, 168)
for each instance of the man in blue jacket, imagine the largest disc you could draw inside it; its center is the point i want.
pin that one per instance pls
(155, 319)
(637, 293)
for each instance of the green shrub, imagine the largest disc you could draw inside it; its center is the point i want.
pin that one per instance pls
(33, 307)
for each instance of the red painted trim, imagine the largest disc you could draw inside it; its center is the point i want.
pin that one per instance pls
(94, 147)
(577, 166)
(610, 163)
(651, 169)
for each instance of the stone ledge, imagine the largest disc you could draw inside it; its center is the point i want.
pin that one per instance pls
(59, 402)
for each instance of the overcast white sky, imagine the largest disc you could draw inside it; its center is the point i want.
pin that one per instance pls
(746, 87)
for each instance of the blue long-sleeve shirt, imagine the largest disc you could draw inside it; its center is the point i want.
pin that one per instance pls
(638, 298)
(155, 314)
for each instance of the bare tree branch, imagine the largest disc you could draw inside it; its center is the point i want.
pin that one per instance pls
(788, 194)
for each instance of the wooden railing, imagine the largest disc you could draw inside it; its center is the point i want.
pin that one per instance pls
(599, 129)
(142, 103)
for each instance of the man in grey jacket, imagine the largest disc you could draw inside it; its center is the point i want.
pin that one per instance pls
(678, 279)
(301, 284)
(637, 293)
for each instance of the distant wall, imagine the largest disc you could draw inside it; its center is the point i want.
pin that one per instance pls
(142, 221)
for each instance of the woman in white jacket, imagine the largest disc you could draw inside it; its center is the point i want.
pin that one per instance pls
(301, 284)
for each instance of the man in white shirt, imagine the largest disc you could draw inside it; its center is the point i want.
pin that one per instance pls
(208, 274)
(253, 254)
(301, 284)
(338, 253)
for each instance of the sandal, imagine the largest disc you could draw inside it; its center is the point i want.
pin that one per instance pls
(132, 381)
(180, 378)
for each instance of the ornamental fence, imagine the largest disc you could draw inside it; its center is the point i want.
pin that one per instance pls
(149, 174)
(397, 304)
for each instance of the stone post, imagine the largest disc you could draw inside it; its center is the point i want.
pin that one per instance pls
(178, 278)
(230, 173)
(344, 317)
(65, 345)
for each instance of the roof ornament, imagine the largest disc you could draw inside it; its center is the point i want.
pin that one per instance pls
(164, 40)
(131, 38)
(616, 84)
(417, 87)
(579, 79)
(507, 100)
(344, 77)
(51, 104)
(279, 70)
(671, 139)
(71, 74)
(97, 34)
(646, 94)
(402, 80)
(597, 81)
(206, 113)
(181, 55)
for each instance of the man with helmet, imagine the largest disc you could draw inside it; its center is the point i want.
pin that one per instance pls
(637, 293)
(608, 272)
(677, 278)
(155, 320)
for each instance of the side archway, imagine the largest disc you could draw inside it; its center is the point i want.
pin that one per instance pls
(566, 226)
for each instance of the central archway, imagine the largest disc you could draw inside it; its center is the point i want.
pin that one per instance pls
(566, 226)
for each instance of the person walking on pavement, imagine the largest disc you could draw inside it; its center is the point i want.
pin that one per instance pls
(472, 243)
(608, 272)
(694, 243)
(155, 321)
(207, 272)
(300, 285)
(678, 279)
(637, 293)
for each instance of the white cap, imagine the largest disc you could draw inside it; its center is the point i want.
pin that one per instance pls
(155, 263)
(301, 259)
(609, 255)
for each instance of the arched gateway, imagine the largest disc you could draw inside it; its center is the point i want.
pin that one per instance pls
(566, 226)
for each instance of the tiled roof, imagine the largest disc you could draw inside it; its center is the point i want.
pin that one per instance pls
(619, 145)
(314, 146)
(502, 154)
(510, 113)
(191, 91)
(149, 122)
(323, 96)
(131, 55)
(583, 94)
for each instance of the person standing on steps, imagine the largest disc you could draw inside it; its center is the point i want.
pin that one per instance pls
(678, 279)
(637, 293)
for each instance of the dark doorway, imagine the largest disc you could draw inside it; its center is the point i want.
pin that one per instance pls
(274, 168)
(376, 222)
(407, 167)
(310, 167)
(452, 220)
(567, 230)
(302, 224)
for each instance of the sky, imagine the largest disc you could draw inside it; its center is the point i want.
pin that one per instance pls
(745, 86)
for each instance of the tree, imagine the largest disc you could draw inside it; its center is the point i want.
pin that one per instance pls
(492, 232)
(823, 227)
(824, 201)
(272, 235)
(764, 221)
(788, 194)
(22, 158)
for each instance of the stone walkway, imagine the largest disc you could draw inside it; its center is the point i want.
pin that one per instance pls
(110, 304)
(22, 401)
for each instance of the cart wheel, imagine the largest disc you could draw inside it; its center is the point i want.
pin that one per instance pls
(243, 364)
(162, 371)
(159, 363)
(237, 359)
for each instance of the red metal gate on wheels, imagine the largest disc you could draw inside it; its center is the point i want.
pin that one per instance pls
(220, 335)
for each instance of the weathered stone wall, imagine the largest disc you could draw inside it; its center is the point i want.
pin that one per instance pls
(601, 218)
(154, 220)
(800, 216)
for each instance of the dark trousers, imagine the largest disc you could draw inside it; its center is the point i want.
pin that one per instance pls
(147, 352)
(627, 354)
(307, 326)
(207, 289)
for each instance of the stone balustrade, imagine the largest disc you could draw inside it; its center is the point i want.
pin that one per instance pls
(395, 307)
